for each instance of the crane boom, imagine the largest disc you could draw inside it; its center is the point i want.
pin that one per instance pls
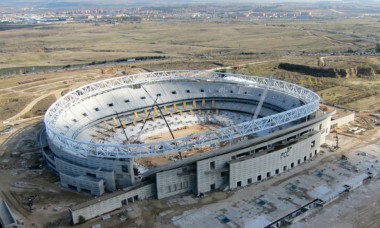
(261, 102)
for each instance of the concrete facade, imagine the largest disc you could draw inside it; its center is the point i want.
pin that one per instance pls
(175, 181)
(86, 184)
(113, 201)
(339, 121)
(243, 166)
(69, 169)
(90, 175)
(267, 163)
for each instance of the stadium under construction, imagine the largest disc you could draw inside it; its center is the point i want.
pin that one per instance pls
(139, 134)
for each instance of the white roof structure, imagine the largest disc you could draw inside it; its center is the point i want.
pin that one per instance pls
(57, 115)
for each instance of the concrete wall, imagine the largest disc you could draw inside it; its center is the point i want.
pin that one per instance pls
(227, 170)
(117, 174)
(75, 170)
(342, 120)
(92, 186)
(175, 181)
(209, 173)
(253, 168)
(324, 126)
(111, 202)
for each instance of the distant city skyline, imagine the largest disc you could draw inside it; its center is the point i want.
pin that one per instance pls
(132, 3)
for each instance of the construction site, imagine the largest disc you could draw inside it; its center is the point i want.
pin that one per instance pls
(344, 169)
(159, 114)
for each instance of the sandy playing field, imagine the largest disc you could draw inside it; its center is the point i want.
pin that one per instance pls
(156, 161)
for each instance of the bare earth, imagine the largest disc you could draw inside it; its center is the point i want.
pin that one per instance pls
(18, 182)
(16, 100)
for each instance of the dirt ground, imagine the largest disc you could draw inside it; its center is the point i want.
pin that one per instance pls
(21, 177)
(151, 162)
(370, 103)
(18, 99)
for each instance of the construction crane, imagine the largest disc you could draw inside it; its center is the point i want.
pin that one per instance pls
(121, 124)
(170, 130)
(336, 138)
(336, 147)
(261, 102)
(163, 116)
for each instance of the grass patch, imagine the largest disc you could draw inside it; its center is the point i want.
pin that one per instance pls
(40, 108)
(351, 92)
(11, 106)
(190, 64)
(75, 43)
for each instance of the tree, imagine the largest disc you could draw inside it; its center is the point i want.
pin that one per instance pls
(378, 48)
(310, 81)
(81, 219)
